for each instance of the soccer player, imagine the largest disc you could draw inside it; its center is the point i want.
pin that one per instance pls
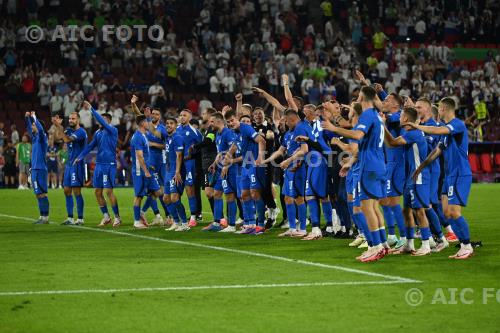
(157, 136)
(417, 191)
(190, 137)
(317, 180)
(294, 173)
(38, 164)
(424, 108)
(351, 172)
(105, 140)
(174, 185)
(370, 133)
(458, 176)
(75, 138)
(226, 170)
(144, 182)
(251, 144)
(391, 106)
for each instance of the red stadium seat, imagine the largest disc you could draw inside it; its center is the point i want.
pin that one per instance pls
(474, 163)
(497, 162)
(486, 163)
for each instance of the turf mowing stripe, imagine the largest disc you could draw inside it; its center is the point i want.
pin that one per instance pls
(249, 253)
(234, 286)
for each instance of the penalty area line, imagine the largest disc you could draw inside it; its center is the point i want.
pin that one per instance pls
(188, 288)
(244, 252)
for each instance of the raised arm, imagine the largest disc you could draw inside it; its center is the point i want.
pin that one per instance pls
(351, 134)
(270, 99)
(98, 117)
(39, 126)
(288, 94)
(27, 121)
(133, 104)
(434, 130)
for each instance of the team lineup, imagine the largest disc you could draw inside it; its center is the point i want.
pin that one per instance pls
(359, 160)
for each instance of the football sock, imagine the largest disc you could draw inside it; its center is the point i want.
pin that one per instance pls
(327, 212)
(231, 212)
(181, 211)
(116, 211)
(43, 206)
(154, 206)
(192, 205)
(261, 210)
(291, 212)
(104, 211)
(360, 217)
(69, 205)
(434, 222)
(400, 221)
(302, 213)
(439, 210)
(314, 212)
(389, 219)
(249, 211)
(218, 209)
(464, 229)
(211, 202)
(172, 210)
(425, 233)
(147, 204)
(79, 205)
(137, 213)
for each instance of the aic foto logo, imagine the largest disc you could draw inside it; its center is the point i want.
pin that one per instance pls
(74, 33)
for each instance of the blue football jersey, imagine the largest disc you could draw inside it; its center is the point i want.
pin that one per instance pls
(249, 149)
(415, 152)
(139, 142)
(76, 146)
(107, 140)
(158, 155)
(174, 144)
(456, 146)
(371, 147)
(394, 154)
(432, 142)
(39, 145)
(190, 136)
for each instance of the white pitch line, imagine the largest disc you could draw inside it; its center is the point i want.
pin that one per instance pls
(181, 288)
(249, 253)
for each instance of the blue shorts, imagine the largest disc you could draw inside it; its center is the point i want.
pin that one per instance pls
(317, 180)
(74, 175)
(458, 189)
(190, 172)
(372, 185)
(356, 201)
(39, 181)
(395, 179)
(227, 185)
(434, 190)
(294, 183)
(144, 185)
(159, 170)
(171, 187)
(416, 196)
(52, 166)
(252, 178)
(104, 176)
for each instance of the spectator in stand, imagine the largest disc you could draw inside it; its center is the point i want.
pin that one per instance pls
(101, 87)
(63, 87)
(14, 134)
(70, 104)
(22, 154)
(193, 105)
(85, 119)
(87, 80)
(10, 168)
(116, 86)
(154, 91)
(116, 114)
(2, 134)
(481, 110)
(56, 103)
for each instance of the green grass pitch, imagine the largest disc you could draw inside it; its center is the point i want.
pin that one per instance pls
(67, 279)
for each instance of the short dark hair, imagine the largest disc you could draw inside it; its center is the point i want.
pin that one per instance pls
(172, 119)
(435, 111)
(245, 116)
(211, 110)
(107, 115)
(449, 103)
(140, 118)
(358, 109)
(77, 114)
(411, 113)
(186, 110)
(369, 93)
(398, 99)
(230, 114)
(218, 115)
(291, 112)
